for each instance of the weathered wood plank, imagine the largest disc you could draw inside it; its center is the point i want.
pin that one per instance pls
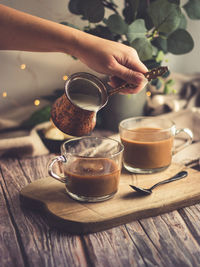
(172, 239)
(113, 247)
(146, 248)
(122, 246)
(191, 216)
(10, 250)
(35, 168)
(40, 245)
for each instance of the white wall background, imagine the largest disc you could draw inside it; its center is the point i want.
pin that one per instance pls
(44, 71)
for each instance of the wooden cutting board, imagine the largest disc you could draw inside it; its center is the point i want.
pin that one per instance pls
(48, 195)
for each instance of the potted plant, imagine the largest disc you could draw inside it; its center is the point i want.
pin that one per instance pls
(153, 27)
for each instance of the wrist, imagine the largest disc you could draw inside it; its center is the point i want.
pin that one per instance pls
(83, 44)
(70, 41)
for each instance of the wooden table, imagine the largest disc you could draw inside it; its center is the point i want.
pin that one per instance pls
(171, 239)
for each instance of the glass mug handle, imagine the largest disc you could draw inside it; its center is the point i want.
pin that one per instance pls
(189, 133)
(50, 168)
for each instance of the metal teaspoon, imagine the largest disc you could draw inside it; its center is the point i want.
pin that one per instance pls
(148, 191)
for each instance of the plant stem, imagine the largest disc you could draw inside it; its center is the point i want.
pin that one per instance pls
(110, 5)
(152, 34)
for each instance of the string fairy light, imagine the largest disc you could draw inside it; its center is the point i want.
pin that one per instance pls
(4, 94)
(36, 102)
(148, 93)
(23, 66)
(65, 77)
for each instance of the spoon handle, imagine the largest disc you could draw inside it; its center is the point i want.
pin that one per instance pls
(178, 176)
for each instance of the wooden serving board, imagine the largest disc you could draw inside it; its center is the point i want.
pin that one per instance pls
(48, 195)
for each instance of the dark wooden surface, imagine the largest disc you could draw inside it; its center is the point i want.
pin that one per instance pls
(171, 239)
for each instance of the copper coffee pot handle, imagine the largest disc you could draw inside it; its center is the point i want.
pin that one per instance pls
(153, 74)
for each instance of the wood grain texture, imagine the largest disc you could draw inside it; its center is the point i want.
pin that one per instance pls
(123, 248)
(10, 250)
(64, 213)
(168, 233)
(26, 239)
(38, 244)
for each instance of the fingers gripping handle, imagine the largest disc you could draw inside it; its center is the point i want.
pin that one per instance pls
(51, 165)
(153, 74)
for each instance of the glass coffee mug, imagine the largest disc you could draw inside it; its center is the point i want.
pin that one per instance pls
(91, 168)
(149, 143)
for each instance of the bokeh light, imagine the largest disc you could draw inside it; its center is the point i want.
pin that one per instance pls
(4, 94)
(65, 77)
(36, 102)
(22, 66)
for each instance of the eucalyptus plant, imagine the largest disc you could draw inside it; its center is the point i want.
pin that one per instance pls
(152, 27)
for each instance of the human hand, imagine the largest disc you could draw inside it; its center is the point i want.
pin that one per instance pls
(117, 60)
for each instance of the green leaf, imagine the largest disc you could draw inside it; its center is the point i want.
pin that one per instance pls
(180, 42)
(101, 31)
(192, 8)
(92, 10)
(151, 64)
(165, 16)
(160, 56)
(130, 10)
(74, 7)
(175, 1)
(161, 44)
(170, 82)
(157, 83)
(154, 51)
(168, 88)
(143, 47)
(37, 117)
(183, 22)
(136, 29)
(166, 74)
(142, 8)
(116, 24)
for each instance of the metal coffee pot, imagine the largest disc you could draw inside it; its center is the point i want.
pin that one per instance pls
(74, 113)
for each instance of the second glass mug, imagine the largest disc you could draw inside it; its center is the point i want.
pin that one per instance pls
(91, 168)
(149, 143)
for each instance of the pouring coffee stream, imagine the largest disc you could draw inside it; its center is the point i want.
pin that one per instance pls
(74, 113)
